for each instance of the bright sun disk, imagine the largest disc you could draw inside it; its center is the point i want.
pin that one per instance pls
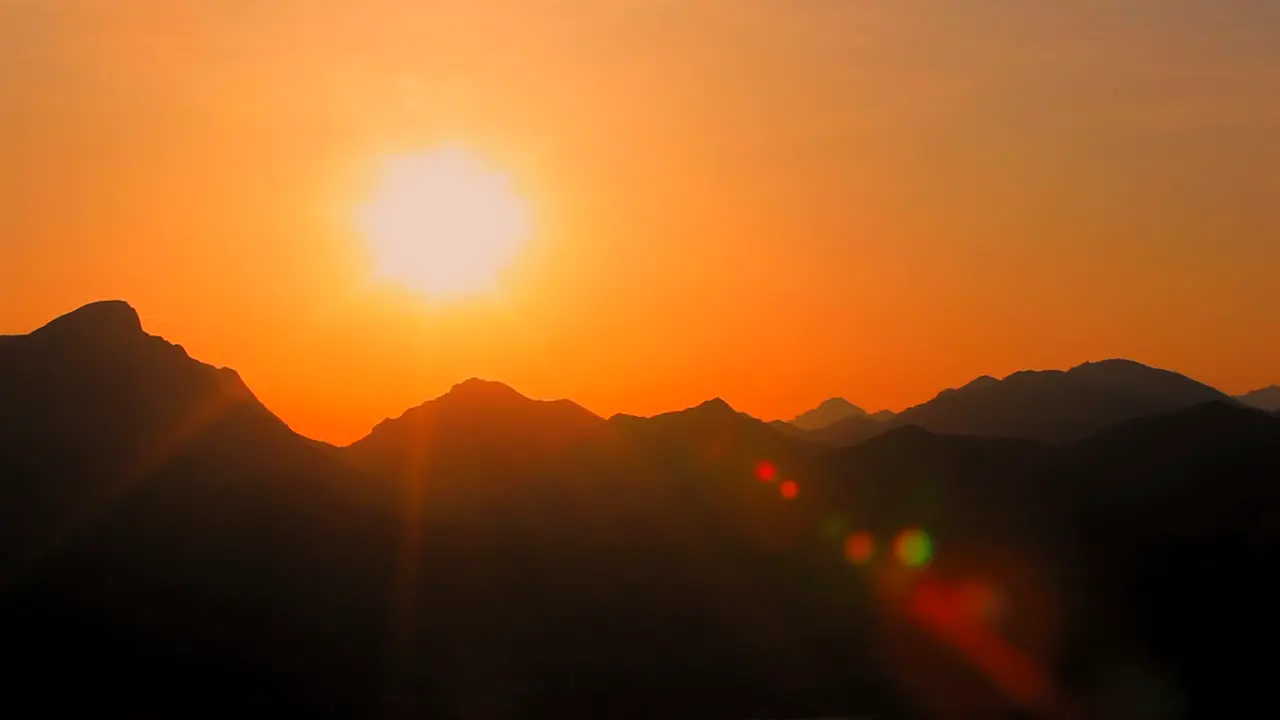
(443, 224)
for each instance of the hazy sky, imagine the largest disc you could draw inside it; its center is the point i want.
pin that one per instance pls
(773, 201)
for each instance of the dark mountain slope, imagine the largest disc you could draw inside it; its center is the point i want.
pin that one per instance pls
(910, 476)
(1176, 519)
(169, 545)
(852, 430)
(168, 531)
(649, 562)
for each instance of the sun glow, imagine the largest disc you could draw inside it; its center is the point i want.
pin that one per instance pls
(443, 224)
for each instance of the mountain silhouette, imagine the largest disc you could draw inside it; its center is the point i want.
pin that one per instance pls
(713, 424)
(159, 524)
(616, 556)
(1174, 517)
(828, 412)
(1267, 398)
(1058, 406)
(486, 554)
(852, 430)
(1046, 405)
(477, 419)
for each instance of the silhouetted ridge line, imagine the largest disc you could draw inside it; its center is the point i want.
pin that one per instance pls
(827, 413)
(715, 405)
(97, 318)
(486, 554)
(479, 387)
(1058, 405)
(161, 525)
(1267, 398)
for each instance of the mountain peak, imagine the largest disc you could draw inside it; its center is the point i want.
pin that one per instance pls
(715, 404)
(481, 388)
(837, 402)
(713, 409)
(829, 412)
(1112, 363)
(1058, 406)
(1267, 398)
(104, 318)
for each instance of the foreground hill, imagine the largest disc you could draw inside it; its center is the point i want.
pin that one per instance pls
(162, 528)
(642, 559)
(1175, 518)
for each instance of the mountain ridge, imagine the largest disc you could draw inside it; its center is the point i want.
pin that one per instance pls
(827, 412)
(1267, 398)
(191, 546)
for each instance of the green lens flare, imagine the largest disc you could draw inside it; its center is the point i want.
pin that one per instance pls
(914, 548)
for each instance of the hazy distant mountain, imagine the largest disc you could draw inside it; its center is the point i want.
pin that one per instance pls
(1058, 406)
(844, 424)
(851, 430)
(1268, 398)
(827, 413)
(1046, 405)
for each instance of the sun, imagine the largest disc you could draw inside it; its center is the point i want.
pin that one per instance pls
(443, 224)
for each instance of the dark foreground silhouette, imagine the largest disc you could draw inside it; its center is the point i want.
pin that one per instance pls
(168, 546)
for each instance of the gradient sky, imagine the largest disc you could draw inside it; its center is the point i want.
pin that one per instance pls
(773, 201)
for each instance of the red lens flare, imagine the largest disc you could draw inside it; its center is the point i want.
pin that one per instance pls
(789, 490)
(942, 610)
(859, 548)
(766, 471)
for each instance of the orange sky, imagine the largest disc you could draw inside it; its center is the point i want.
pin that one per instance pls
(774, 201)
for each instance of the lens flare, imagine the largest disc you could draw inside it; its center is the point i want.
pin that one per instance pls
(766, 471)
(942, 610)
(789, 489)
(859, 548)
(982, 603)
(834, 528)
(913, 548)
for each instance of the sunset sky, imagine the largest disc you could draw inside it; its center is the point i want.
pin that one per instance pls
(772, 201)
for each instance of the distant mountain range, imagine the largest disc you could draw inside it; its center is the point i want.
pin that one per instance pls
(168, 546)
(832, 411)
(1268, 398)
(1048, 405)
(827, 413)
